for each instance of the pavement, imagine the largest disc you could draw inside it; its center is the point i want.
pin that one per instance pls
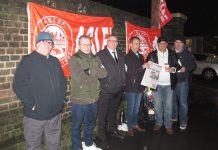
(201, 133)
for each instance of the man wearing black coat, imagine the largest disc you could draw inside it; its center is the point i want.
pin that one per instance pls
(112, 88)
(188, 63)
(134, 90)
(40, 84)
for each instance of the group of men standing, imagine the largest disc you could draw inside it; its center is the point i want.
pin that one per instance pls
(98, 83)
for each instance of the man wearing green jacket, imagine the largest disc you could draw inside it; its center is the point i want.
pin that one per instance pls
(86, 70)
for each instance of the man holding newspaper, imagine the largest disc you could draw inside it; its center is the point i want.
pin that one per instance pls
(163, 95)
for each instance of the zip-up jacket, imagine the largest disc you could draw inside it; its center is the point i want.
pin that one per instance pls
(135, 72)
(86, 70)
(188, 61)
(40, 84)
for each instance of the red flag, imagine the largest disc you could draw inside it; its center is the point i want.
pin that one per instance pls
(66, 28)
(165, 15)
(148, 38)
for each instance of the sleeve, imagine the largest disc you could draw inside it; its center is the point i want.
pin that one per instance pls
(21, 83)
(176, 63)
(149, 57)
(77, 72)
(192, 63)
(99, 72)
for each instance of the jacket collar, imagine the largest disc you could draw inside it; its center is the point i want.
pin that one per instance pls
(41, 56)
(81, 54)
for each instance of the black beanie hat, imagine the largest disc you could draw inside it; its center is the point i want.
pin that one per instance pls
(160, 39)
(180, 38)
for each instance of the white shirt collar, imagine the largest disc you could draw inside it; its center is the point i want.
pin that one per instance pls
(111, 52)
(162, 53)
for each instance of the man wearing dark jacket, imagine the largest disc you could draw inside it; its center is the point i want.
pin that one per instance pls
(135, 70)
(86, 70)
(40, 84)
(112, 88)
(163, 95)
(182, 87)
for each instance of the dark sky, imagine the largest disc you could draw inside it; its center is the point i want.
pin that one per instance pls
(202, 15)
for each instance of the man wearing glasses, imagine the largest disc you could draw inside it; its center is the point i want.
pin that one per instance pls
(40, 84)
(112, 88)
(86, 70)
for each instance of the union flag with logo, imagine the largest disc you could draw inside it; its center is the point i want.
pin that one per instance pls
(165, 15)
(148, 38)
(66, 28)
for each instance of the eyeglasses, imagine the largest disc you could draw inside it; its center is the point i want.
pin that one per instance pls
(86, 45)
(48, 42)
(114, 41)
(162, 43)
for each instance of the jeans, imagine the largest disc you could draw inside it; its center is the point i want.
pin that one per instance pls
(181, 95)
(163, 98)
(86, 114)
(133, 103)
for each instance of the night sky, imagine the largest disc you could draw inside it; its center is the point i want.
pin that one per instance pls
(202, 15)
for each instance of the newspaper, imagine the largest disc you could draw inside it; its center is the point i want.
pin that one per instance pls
(151, 75)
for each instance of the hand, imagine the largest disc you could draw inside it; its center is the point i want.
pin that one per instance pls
(147, 65)
(167, 67)
(87, 71)
(182, 69)
(170, 69)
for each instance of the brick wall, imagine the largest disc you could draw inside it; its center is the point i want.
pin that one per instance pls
(13, 46)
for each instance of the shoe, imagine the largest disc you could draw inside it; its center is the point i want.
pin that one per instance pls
(122, 127)
(151, 112)
(169, 131)
(174, 120)
(103, 145)
(130, 132)
(156, 127)
(116, 134)
(92, 147)
(182, 127)
(136, 127)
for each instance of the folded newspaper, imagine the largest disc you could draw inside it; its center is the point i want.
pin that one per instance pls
(151, 75)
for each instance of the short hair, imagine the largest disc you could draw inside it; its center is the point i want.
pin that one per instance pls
(134, 38)
(83, 37)
(112, 35)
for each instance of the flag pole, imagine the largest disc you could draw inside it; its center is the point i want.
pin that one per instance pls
(155, 15)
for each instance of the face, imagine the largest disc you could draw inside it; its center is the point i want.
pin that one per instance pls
(135, 45)
(162, 46)
(44, 47)
(85, 45)
(112, 42)
(178, 45)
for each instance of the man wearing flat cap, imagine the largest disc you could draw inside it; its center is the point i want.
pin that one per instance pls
(163, 95)
(40, 84)
(188, 64)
